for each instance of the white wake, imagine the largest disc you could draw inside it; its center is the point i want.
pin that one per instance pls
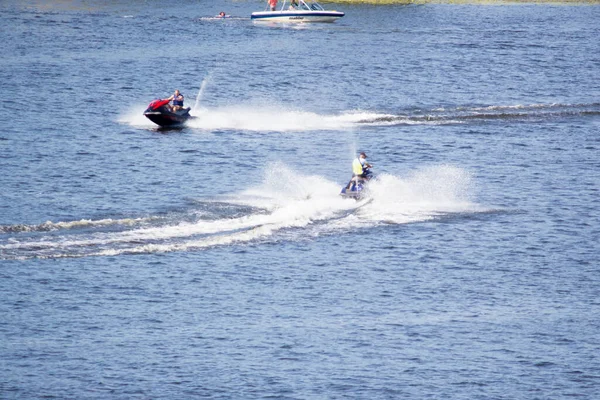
(286, 201)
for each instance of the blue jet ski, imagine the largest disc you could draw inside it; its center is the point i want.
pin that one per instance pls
(355, 189)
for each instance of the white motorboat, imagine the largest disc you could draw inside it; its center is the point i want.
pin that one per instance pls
(297, 11)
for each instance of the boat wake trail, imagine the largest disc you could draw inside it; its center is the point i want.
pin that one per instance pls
(487, 114)
(285, 206)
(271, 118)
(81, 224)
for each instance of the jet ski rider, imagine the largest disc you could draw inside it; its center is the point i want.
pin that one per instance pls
(360, 168)
(177, 101)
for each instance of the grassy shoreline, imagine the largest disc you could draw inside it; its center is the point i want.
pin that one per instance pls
(492, 2)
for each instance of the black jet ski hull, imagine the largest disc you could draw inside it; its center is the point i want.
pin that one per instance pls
(160, 113)
(167, 118)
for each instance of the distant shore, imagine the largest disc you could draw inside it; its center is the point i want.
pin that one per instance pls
(463, 1)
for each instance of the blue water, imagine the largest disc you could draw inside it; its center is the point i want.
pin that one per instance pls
(218, 261)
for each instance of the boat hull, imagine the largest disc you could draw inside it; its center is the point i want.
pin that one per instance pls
(158, 113)
(296, 16)
(167, 118)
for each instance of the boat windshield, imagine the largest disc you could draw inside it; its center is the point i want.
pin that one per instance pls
(301, 5)
(311, 5)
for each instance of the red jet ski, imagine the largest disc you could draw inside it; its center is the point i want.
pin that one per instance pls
(160, 113)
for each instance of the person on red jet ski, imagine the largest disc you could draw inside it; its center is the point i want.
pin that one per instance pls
(177, 101)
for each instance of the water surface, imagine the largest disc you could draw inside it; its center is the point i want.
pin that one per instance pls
(218, 261)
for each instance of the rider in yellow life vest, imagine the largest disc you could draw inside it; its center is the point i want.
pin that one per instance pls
(359, 169)
(360, 166)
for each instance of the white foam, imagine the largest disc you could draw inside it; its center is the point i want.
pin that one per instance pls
(297, 201)
(421, 195)
(267, 118)
(285, 199)
(134, 116)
